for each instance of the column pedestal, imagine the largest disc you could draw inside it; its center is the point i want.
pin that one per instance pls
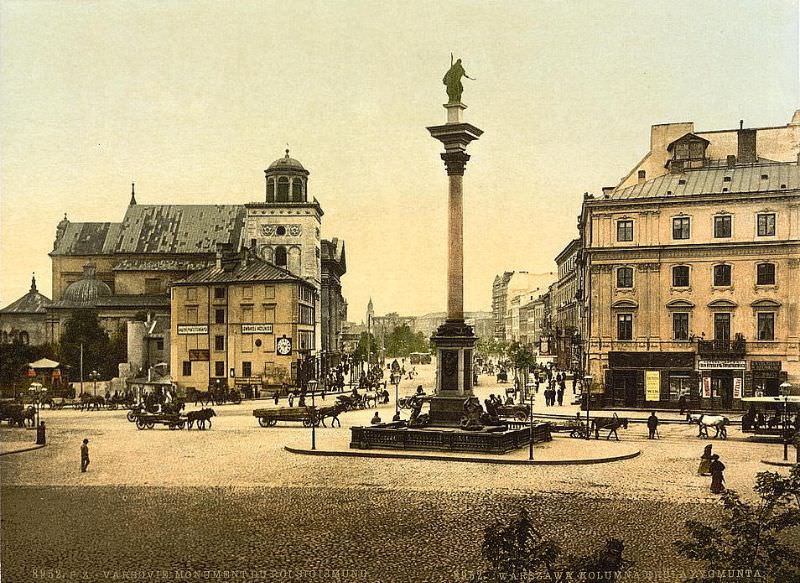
(454, 342)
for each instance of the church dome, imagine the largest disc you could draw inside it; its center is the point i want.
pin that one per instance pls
(286, 163)
(86, 291)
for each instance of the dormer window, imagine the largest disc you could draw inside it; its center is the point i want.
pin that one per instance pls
(688, 151)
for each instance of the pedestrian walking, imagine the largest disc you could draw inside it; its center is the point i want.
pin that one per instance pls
(717, 477)
(574, 381)
(561, 394)
(682, 402)
(276, 396)
(705, 461)
(652, 425)
(84, 455)
(291, 399)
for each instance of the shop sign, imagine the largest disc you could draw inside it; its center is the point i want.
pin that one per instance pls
(199, 355)
(722, 365)
(192, 329)
(737, 387)
(652, 385)
(256, 328)
(766, 365)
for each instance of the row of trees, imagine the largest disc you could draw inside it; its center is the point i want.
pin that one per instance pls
(401, 342)
(101, 352)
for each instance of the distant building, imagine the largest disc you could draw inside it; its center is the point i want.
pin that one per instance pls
(499, 303)
(565, 307)
(25, 320)
(692, 266)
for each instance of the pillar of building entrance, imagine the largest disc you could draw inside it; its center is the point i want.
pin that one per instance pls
(454, 340)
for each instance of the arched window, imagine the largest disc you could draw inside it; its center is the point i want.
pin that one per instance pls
(24, 338)
(283, 189)
(297, 190)
(280, 256)
(270, 190)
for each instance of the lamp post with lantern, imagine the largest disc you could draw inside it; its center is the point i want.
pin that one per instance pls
(312, 385)
(93, 376)
(786, 388)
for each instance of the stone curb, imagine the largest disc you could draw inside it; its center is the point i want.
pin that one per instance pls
(441, 458)
(23, 450)
(779, 463)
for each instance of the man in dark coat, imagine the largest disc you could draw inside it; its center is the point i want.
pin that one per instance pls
(652, 425)
(84, 455)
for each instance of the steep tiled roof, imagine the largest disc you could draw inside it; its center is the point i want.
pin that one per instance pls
(180, 228)
(742, 179)
(256, 271)
(87, 239)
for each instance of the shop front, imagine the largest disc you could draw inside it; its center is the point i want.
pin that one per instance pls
(722, 383)
(765, 378)
(650, 380)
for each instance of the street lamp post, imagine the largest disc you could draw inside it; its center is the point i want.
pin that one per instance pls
(396, 383)
(531, 398)
(312, 384)
(93, 376)
(786, 388)
(587, 387)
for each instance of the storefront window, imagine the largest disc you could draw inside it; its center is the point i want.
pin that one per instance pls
(679, 384)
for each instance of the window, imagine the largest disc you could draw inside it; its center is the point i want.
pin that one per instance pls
(297, 191)
(269, 292)
(680, 326)
(625, 277)
(680, 227)
(281, 231)
(722, 327)
(219, 293)
(280, 256)
(766, 225)
(271, 190)
(624, 326)
(722, 226)
(283, 189)
(722, 275)
(152, 286)
(191, 315)
(247, 292)
(680, 383)
(24, 338)
(247, 369)
(625, 230)
(187, 368)
(219, 316)
(219, 343)
(680, 276)
(765, 274)
(766, 326)
(219, 369)
(160, 344)
(191, 294)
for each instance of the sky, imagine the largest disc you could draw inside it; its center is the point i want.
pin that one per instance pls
(193, 99)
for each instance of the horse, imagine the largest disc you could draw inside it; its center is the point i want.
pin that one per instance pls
(370, 399)
(202, 416)
(204, 398)
(718, 422)
(611, 423)
(92, 402)
(332, 412)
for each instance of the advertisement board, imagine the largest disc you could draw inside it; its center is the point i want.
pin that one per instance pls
(189, 329)
(652, 385)
(256, 328)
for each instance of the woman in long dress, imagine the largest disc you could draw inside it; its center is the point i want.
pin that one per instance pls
(705, 462)
(717, 478)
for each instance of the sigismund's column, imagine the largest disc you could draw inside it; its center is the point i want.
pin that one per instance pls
(454, 340)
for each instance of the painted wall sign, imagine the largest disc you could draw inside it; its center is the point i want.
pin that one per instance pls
(652, 385)
(187, 329)
(256, 328)
(722, 365)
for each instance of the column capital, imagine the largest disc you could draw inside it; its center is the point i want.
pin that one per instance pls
(455, 162)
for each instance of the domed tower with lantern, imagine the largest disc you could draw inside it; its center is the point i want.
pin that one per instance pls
(285, 228)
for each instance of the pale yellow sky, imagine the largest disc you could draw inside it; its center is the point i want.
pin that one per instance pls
(194, 99)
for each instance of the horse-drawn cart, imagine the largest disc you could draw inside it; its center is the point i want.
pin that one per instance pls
(149, 420)
(518, 412)
(270, 417)
(575, 427)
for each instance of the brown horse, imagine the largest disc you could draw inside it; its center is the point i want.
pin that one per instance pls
(611, 423)
(201, 417)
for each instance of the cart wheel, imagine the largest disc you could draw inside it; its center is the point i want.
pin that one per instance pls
(150, 425)
(520, 416)
(140, 424)
(172, 427)
(264, 422)
(131, 416)
(273, 422)
(306, 423)
(182, 424)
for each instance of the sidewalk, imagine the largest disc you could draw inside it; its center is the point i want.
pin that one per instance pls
(10, 447)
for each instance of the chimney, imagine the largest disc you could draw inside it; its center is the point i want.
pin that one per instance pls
(731, 160)
(642, 176)
(607, 190)
(747, 146)
(218, 257)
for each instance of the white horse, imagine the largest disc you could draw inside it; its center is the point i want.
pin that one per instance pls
(718, 422)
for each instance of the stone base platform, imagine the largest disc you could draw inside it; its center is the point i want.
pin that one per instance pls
(398, 436)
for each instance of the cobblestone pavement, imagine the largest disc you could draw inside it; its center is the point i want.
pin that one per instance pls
(232, 496)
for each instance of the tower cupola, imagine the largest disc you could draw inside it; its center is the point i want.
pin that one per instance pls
(287, 181)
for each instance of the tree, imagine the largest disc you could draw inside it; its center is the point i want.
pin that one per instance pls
(519, 552)
(366, 345)
(754, 539)
(99, 353)
(402, 341)
(14, 358)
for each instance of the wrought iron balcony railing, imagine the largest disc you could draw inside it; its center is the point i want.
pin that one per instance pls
(730, 349)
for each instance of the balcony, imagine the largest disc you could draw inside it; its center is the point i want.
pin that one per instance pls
(722, 349)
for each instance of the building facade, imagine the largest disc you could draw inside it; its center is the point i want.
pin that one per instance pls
(242, 321)
(25, 320)
(691, 271)
(565, 308)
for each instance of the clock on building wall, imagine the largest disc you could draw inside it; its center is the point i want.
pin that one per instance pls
(283, 346)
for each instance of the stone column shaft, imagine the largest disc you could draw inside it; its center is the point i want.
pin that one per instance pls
(455, 254)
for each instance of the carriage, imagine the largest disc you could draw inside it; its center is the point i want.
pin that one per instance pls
(771, 416)
(517, 412)
(575, 427)
(270, 417)
(171, 420)
(62, 403)
(17, 413)
(351, 402)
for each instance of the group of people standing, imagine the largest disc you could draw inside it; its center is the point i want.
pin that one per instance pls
(710, 465)
(556, 386)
